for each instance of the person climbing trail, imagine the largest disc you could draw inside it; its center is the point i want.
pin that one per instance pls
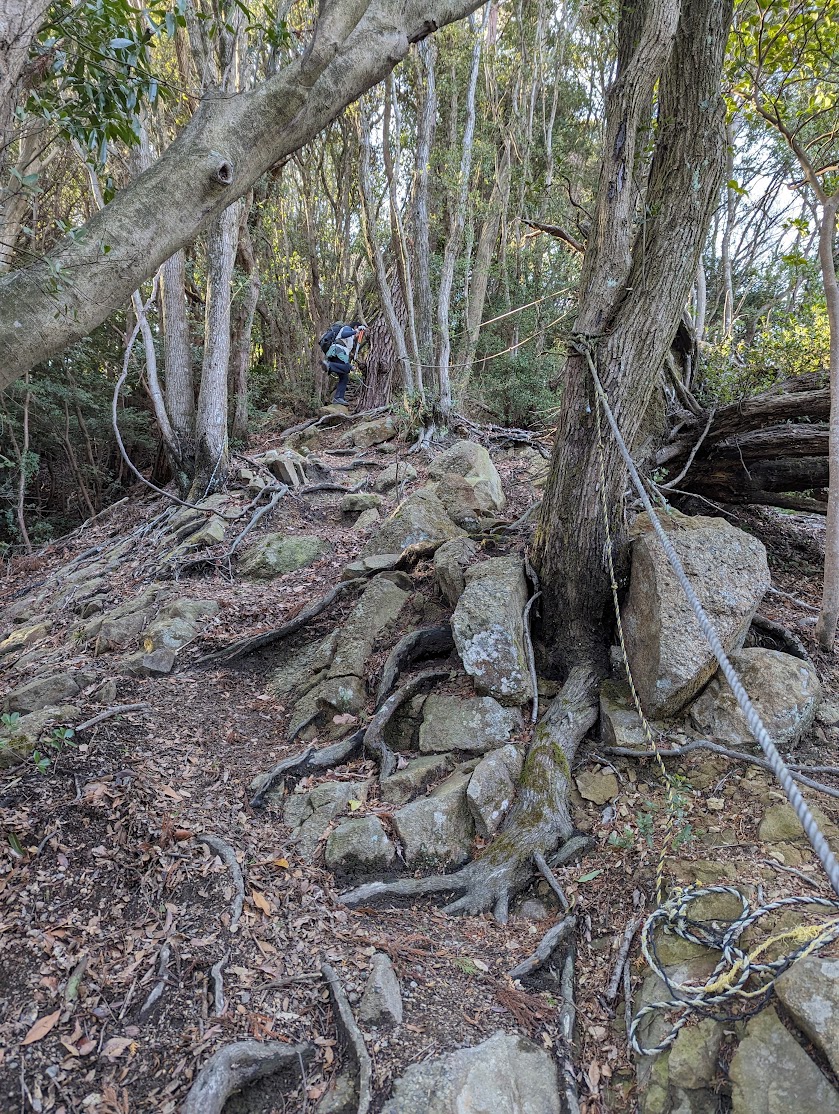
(340, 345)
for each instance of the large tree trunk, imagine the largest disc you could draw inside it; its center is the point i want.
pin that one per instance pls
(19, 24)
(177, 364)
(226, 146)
(633, 291)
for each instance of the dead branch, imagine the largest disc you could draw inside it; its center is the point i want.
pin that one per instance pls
(217, 983)
(228, 857)
(736, 755)
(234, 1067)
(545, 948)
(671, 484)
(164, 956)
(350, 1036)
(550, 878)
(428, 642)
(558, 234)
(623, 953)
(567, 1018)
(117, 710)
(306, 762)
(374, 734)
(267, 638)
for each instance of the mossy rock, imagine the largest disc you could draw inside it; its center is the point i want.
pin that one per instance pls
(278, 554)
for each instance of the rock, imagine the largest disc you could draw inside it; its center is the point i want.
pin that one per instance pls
(359, 844)
(461, 502)
(309, 814)
(288, 466)
(23, 638)
(473, 724)
(381, 1002)
(366, 566)
(211, 533)
(421, 518)
(827, 713)
(105, 692)
(367, 434)
(694, 1057)
(809, 991)
(488, 630)
(620, 724)
(177, 624)
(492, 788)
(781, 825)
(277, 554)
(360, 501)
(534, 909)
(784, 689)
(120, 626)
(507, 1074)
(380, 604)
(398, 473)
(597, 786)
(473, 462)
(154, 663)
(367, 520)
(20, 735)
(437, 830)
(668, 655)
(47, 691)
(450, 563)
(405, 784)
(772, 1074)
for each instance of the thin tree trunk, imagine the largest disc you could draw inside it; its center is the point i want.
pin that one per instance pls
(701, 305)
(732, 199)
(422, 250)
(829, 615)
(240, 356)
(177, 358)
(22, 453)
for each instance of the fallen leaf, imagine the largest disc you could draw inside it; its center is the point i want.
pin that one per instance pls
(344, 718)
(261, 901)
(282, 863)
(115, 1047)
(354, 805)
(41, 1027)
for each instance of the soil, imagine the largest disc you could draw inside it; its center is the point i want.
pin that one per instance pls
(102, 876)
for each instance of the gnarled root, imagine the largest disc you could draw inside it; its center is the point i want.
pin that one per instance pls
(237, 1065)
(538, 822)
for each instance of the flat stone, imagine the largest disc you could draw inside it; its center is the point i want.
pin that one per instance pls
(463, 506)
(367, 434)
(381, 1002)
(47, 691)
(309, 814)
(809, 991)
(405, 784)
(597, 786)
(211, 533)
(450, 563)
(772, 1074)
(668, 655)
(506, 1074)
(827, 713)
(620, 724)
(276, 554)
(359, 844)
(488, 630)
(367, 520)
(153, 663)
(286, 465)
(23, 638)
(784, 689)
(119, 627)
(437, 830)
(492, 788)
(781, 825)
(360, 501)
(398, 473)
(473, 724)
(367, 566)
(420, 518)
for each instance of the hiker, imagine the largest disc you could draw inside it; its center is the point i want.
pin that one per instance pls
(340, 344)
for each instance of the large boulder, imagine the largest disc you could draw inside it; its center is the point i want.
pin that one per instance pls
(436, 831)
(421, 518)
(506, 1074)
(450, 563)
(359, 844)
(47, 691)
(475, 724)
(367, 434)
(473, 462)
(492, 788)
(772, 1074)
(489, 632)
(668, 655)
(276, 554)
(784, 689)
(809, 991)
(400, 472)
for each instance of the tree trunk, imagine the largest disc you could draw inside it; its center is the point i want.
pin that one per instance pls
(422, 250)
(240, 345)
(177, 357)
(211, 460)
(633, 292)
(19, 24)
(829, 616)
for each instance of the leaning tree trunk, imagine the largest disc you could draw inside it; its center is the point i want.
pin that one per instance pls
(633, 291)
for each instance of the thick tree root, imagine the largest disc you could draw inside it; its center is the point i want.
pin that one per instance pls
(228, 857)
(429, 642)
(545, 948)
(374, 733)
(238, 1065)
(308, 761)
(351, 1038)
(567, 1018)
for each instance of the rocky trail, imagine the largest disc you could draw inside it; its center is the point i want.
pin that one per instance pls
(172, 882)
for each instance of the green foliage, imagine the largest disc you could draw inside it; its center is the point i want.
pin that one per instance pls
(60, 739)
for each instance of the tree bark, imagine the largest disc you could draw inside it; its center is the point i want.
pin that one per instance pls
(19, 24)
(177, 362)
(240, 344)
(426, 127)
(829, 616)
(633, 290)
(226, 146)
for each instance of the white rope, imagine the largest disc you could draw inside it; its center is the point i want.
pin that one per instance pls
(779, 767)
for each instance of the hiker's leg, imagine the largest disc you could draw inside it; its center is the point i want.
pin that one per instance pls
(343, 373)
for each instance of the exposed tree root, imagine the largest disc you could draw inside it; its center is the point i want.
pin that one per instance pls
(224, 559)
(228, 857)
(351, 1038)
(100, 717)
(773, 635)
(267, 638)
(308, 761)
(567, 1018)
(539, 820)
(550, 878)
(428, 642)
(238, 1065)
(628, 936)
(156, 992)
(217, 983)
(374, 732)
(545, 948)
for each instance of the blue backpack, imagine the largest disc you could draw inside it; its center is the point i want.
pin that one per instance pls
(328, 338)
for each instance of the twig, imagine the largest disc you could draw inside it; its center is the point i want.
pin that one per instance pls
(308, 760)
(228, 856)
(567, 1018)
(736, 755)
(237, 1065)
(71, 990)
(158, 988)
(350, 1035)
(550, 878)
(217, 981)
(672, 484)
(626, 944)
(793, 599)
(374, 734)
(545, 948)
(267, 638)
(117, 710)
